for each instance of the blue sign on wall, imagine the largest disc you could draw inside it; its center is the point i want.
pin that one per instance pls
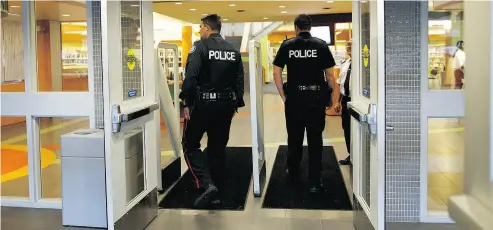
(366, 92)
(132, 93)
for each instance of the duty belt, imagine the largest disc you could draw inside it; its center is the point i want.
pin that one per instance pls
(215, 96)
(308, 87)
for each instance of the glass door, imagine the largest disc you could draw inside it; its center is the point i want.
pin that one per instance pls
(368, 114)
(131, 113)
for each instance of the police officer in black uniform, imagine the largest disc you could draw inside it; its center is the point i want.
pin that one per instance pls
(306, 95)
(211, 94)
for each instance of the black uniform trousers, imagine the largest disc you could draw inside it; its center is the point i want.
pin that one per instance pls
(213, 118)
(346, 121)
(298, 118)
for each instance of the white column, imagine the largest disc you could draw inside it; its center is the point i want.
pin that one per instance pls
(474, 209)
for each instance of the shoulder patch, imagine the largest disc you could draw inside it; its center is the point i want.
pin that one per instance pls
(192, 49)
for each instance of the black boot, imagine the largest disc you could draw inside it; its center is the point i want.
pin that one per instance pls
(292, 175)
(346, 161)
(316, 187)
(209, 195)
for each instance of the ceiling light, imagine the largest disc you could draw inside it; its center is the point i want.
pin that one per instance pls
(265, 18)
(232, 4)
(282, 6)
(284, 12)
(65, 15)
(204, 14)
(193, 9)
(15, 6)
(330, 1)
(178, 3)
(225, 19)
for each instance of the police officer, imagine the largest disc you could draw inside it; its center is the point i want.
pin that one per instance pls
(306, 95)
(211, 93)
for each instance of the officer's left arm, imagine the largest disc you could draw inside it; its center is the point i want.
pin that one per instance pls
(240, 81)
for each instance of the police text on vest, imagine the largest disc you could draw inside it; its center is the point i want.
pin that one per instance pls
(222, 55)
(303, 53)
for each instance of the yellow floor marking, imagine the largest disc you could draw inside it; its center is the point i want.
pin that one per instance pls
(22, 137)
(447, 130)
(167, 153)
(47, 158)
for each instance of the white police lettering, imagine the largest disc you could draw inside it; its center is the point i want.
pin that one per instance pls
(303, 53)
(222, 55)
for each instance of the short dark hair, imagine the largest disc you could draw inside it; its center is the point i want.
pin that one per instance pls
(303, 22)
(459, 43)
(214, 21)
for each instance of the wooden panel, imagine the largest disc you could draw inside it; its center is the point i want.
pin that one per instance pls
(75, 84)
(44, 56)
(13, 87)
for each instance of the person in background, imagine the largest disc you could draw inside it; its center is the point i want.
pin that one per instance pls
(459, 61)
(344, 82)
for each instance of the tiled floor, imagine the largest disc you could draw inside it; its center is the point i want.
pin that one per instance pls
(252, 218)
(445, 161)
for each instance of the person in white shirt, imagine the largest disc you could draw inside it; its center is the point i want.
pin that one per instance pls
(459, 61)
(344, 90)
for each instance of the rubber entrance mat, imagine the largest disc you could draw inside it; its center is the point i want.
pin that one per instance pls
(284, 194)
(233, 185)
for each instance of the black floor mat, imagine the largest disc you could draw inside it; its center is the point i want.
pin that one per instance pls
(284, 194)
(234, 184)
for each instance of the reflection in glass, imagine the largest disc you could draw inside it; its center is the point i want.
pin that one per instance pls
(365, 48)
(50, 150)
(445, 161)
(134, 163)
(13, 152)
(61, 43)
(12, 48)
(446, 53)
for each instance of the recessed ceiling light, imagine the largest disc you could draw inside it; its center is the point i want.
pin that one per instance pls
(265, 18)
(178, 3)
(284, 12)
(232, 4)
(282, 6)
(15, 6)
(330, 1)
(225, 19)
(193, 9)
(65, 15)
(204, 14)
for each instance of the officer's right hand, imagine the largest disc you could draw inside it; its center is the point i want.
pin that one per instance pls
(186, 113)
(337, 108)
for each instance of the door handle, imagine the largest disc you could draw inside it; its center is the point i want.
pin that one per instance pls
(369, 120)
(117, 117)
(389, 128)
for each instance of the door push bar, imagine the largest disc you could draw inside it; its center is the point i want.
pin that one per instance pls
(117, 118)
(369, 119)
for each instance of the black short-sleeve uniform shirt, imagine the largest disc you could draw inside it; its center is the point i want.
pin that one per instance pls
(306, 58)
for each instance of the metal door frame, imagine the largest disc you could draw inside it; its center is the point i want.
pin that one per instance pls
(172, 119)
(257, 117)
